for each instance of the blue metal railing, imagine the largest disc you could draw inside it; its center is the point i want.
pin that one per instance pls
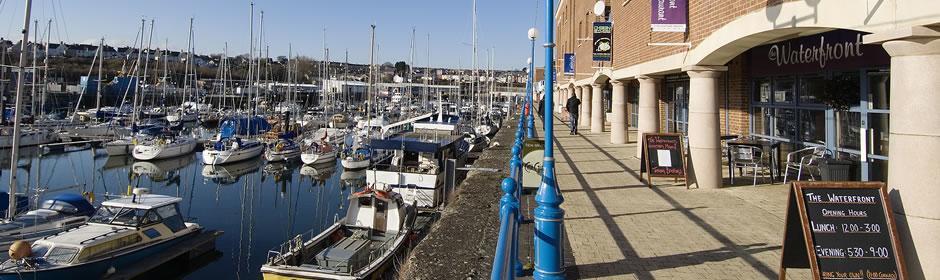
(506, 264)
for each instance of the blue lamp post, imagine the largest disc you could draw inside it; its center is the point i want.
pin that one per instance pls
(530, 131)
(548, 214)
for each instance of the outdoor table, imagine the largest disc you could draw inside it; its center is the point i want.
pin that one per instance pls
(767, 146)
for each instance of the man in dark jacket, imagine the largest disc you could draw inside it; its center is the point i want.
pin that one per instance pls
(572, 106)
(542, 108)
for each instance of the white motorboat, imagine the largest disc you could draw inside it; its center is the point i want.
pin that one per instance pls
(231, 149)
(28, 137)
(282, 150)
(358, 157)
(377, 227)
(163, 147)
(416, 169)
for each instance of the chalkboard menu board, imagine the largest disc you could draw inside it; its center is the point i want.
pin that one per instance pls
(841, 230)
(664, 155)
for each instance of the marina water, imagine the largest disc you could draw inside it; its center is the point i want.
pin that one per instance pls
(257, 204)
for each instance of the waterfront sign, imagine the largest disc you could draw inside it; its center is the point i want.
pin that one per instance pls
(603, 43)
(833, 50)
(841, 230)
(664, 156)
(669, 16)
(569, 64)
(533, 152)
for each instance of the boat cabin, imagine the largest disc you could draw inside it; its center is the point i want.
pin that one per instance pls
(117, 225)
(416, 168)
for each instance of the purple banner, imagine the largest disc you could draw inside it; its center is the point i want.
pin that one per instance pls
(833, 50)
(669, 15)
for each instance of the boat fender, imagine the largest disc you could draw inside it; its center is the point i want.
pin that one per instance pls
(111, 270)
(19, 249)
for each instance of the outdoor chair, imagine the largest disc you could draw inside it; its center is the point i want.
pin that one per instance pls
(807, 158)
(748, 157)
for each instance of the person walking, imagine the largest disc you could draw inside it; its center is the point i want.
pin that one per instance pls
(572, 106)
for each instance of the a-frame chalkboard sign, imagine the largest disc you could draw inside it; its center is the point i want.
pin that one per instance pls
(663, 156)
(841, 230)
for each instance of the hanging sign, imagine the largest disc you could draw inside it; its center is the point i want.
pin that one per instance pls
(569, 64)
(603, 45)
(841, 230)
(663, 156)
(669, 15)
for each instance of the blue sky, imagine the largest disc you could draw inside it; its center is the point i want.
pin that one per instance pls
(502, 24)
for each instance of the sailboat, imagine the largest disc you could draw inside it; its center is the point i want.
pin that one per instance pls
(320, 151)
(164, 146)
(228, 147)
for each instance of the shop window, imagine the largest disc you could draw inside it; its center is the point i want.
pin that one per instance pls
(762, 119)
(811, 88)
(813, 126)
(879, 86)
(848, 125)
(784, 90)
(786, 123)
(762, 91)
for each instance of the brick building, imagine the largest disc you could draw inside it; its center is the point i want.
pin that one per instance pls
(778, 70)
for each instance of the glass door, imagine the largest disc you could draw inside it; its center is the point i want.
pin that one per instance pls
(875, 133)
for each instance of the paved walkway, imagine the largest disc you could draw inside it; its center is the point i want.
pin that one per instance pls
(617, 228)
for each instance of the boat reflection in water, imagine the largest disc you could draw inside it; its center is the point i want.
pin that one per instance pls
(280, 171)
(320, 172)
(161, 170)
(353, 178)
(229, 173)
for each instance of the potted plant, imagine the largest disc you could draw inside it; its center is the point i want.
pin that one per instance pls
(840, 92)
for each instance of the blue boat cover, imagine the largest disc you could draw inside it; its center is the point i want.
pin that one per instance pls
(239, 126)
(80, 203)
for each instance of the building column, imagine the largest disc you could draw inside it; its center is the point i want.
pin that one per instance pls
(648, 115)
(597, 108)
(618, 122)
(585, 118)
(914, 144)
(704, 129)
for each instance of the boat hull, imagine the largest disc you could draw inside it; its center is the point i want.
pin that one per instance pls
(350, 163)
(282, 155)
(317, 158)
(213, 157)
(98, 269)
(151, 152)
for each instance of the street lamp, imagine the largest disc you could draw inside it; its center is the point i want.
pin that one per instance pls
(548, 214)
(530, 129)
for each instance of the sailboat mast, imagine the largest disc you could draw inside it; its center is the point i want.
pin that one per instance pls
(251, 58)
(410, 65)
(473, 74)
(15, 153)
(32, 98)
(371, 75)
(143, 22)
(147, 60)
(45, 72)
(98, 84)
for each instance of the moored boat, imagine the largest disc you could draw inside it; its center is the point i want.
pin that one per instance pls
(122, 233)
(282, 150)
(60, 213)
(162, 147)
(376, 228)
